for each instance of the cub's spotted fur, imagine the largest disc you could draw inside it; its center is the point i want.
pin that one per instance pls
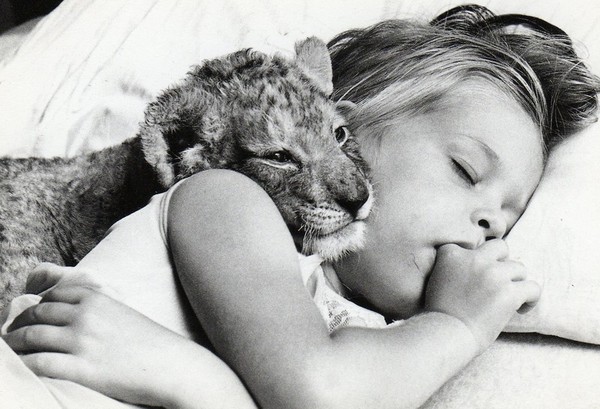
(264, 116)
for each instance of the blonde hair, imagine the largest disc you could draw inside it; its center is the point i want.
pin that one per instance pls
(401, 67)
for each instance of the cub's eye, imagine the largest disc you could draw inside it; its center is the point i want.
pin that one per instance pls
(341, 135)
(280, 156)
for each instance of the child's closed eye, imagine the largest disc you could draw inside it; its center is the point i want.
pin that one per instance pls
(465, 171)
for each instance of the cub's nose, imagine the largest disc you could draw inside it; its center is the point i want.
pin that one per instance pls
(355, 203)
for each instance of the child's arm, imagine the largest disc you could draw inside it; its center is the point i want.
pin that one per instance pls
(238, 265)
(78, 333)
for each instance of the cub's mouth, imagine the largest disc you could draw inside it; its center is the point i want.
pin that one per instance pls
(330, 231)
(332, 245)
(330, 227)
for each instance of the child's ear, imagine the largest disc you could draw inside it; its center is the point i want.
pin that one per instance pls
(313, 57)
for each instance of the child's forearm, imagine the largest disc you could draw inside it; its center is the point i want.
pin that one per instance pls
(195, 378)
(399, 366)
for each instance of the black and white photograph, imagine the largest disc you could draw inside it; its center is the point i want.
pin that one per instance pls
(303, 204)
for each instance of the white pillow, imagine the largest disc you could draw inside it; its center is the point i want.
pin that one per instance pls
(558, 239)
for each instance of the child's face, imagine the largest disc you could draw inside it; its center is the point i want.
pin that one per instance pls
(460, 174)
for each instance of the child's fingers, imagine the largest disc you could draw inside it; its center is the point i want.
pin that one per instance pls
(67, 293)
(43, 277)
(52, 364)
(51, 313)
(496, 249)
(46, 338)
(528, 293)
(525, 308)
(517, 270)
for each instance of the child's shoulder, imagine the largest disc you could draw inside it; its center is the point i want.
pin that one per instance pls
(215, 187)
(216, 180)
(219, 200)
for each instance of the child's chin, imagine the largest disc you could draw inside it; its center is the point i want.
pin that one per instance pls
(335, 245)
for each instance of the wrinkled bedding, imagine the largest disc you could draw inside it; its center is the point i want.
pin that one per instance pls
(20, 388)
(104, 60)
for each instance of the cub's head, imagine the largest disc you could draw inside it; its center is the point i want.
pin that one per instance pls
(272, 120)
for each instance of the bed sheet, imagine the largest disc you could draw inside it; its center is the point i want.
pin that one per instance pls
(22, 389)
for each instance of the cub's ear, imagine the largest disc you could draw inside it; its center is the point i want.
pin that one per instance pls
(154, 145)
(170, 132)
(313, 57)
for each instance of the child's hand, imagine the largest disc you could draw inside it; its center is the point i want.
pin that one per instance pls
(46, 276)
(483, 288)
(78, 333)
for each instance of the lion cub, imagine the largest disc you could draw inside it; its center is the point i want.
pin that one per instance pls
(264, 116)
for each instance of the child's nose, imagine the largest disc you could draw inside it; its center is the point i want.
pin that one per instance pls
(493, 225)
(483, 225)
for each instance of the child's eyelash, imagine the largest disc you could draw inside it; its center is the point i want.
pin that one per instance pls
(463, 172)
